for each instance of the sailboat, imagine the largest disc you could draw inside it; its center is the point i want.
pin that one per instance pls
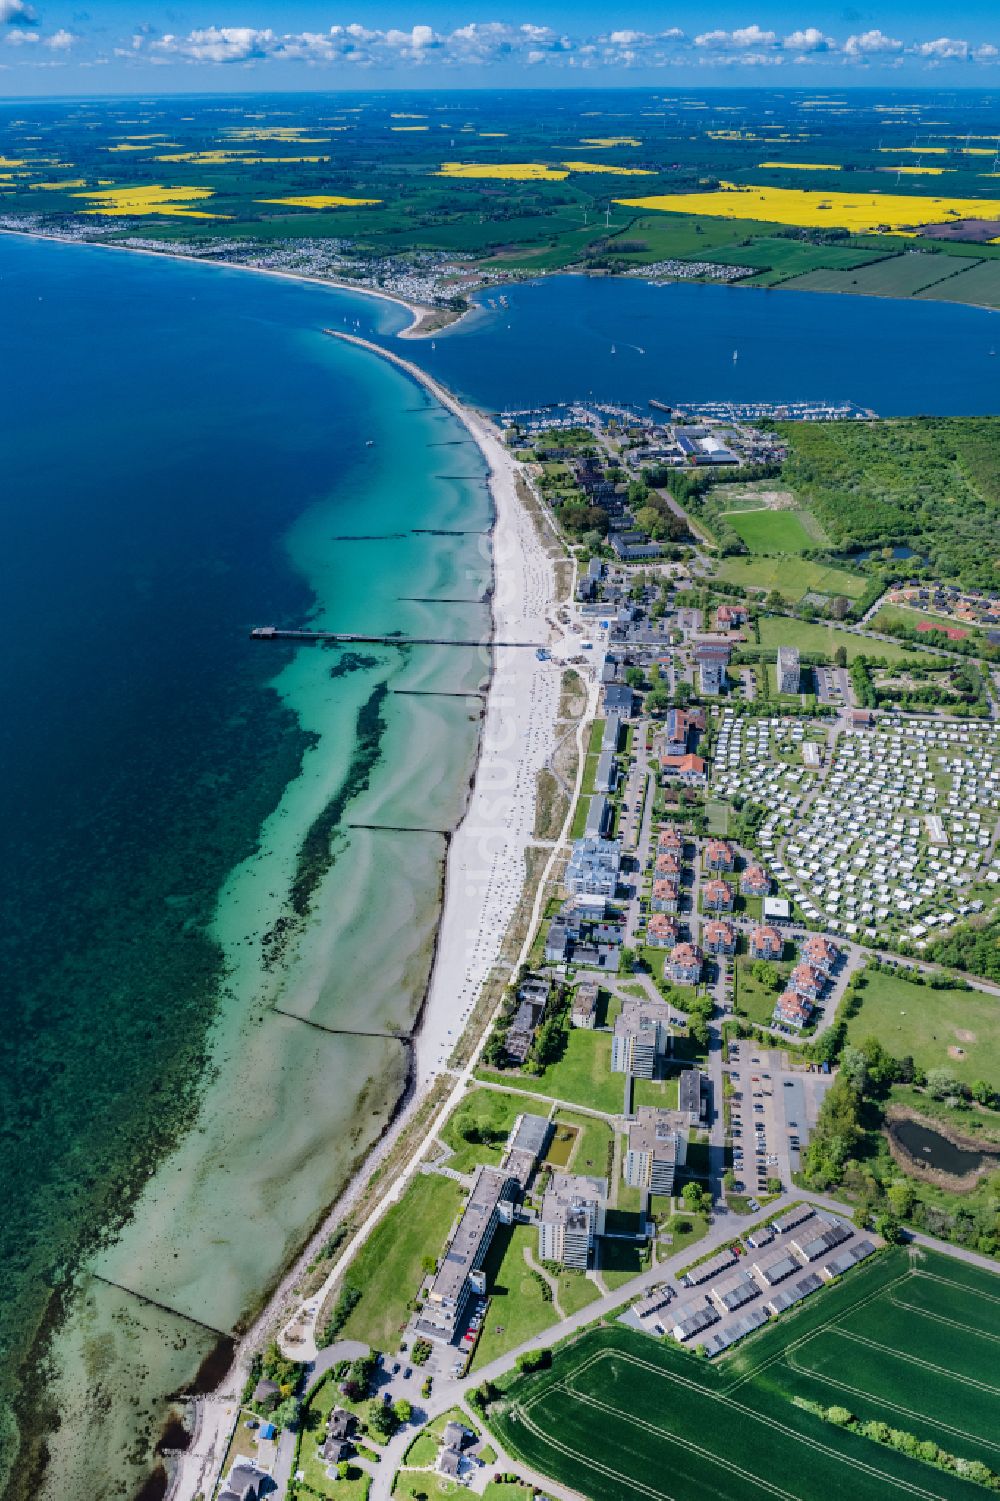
(736, 355)
(612, 349)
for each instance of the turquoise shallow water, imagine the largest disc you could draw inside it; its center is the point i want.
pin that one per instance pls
(184, 455)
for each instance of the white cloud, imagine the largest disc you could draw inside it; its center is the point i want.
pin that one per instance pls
(872, 44)
(944, 49)
(60, 41)
(743, 37)
(16, 13)
(216, 44)
(811, 39)
(986, 53)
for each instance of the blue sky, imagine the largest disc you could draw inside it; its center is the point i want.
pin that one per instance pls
(167, 46)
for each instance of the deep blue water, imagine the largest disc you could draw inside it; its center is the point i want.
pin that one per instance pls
(554, 344)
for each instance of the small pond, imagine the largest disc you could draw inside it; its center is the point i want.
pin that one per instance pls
(930, 1147)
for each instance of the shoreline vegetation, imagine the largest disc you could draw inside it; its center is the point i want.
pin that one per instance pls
(497, 881)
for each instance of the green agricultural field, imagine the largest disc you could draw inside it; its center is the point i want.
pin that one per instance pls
(899, 276)
(979, 284)
(954, 1029)
(911, 1343)
(812, 636)
(768, 531)
(388, 1268)
(792, 577)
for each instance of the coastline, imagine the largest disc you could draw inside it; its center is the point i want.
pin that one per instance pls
(421, 313)
(483, 884)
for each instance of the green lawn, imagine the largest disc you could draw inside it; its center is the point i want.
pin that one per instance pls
(909, 1344)
(752, 998)
(315, 1412)
(925, 1023)
(483, 1111)
(387, 1269)
(621, 1260)
(768, 531)
(812, 636)
(582, 1076)
(411, 1484)
(662, 1092)
(686, 1229)
(517, 1308)
(904, 615)
(792, 577)
(593, 1141)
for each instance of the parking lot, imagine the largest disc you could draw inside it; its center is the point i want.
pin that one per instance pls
(772, 1112)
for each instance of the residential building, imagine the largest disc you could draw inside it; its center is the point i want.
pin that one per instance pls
(669, 839)
(712, 659)
(612, 736)
(640, 1037)
(661, 931)
(755, 881)
(558, 942)
(689, 768)
(719, 855)
(792, 1010)
(460, 1272)
(731, 617)
(668, 864)
(571, 1219)
(692, 1087)
(599, 818)
(684, 965)
(717, 896)
(821, 954)
(665, 896)
(765, 942)
(246, 1482)
(584, 1012)
(593, 867)
(606, 775)
(719, 937)
(657, 1147)
(807, 981)
(619, 698)
(789, 669)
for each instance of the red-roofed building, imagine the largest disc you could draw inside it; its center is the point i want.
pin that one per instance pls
(821, 953)
(670, 839)
(755, 881)
(806, 981)
(719, 855)
(684, 965)
(661, 931)
(731, 617)
(668, 864)
(717, 896)
(666, 896)
(766, 943)
(720, 937)
(792, 1010)
(689, 768)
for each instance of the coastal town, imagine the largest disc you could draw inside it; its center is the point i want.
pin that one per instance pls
(746, 849)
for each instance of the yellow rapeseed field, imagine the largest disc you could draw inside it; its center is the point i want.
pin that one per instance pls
(233, 158)
(292, 134)
(917, 171)
(805, 166)
(115, 203)
(861, 213)
(10, 161)
(610, 141)
(409, 127)
(602, 167)
(320, 200)
(918, 150)
(509, 171)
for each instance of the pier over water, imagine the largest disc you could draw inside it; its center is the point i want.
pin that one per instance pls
(272, 633)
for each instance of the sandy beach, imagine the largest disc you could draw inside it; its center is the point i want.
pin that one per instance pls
(483, 884)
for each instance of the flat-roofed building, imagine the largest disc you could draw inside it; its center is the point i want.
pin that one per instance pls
(490, 1202)
(640, 1038)
(571, 1219)
(657, 1147)
(691, 1089)
(789, 669)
